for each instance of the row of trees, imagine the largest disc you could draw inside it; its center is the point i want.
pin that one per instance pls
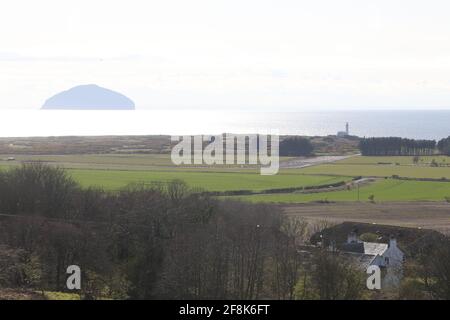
(444, 146)
(392, 146)
(296, 147)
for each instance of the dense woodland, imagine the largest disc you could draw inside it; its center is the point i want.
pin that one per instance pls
(296, 147)
(392, 146)
(167, 241)
(444, 146)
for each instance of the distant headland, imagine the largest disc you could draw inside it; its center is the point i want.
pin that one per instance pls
(88, 97)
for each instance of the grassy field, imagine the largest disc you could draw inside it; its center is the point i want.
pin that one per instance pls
(404, 160)
(211, 181)
(384, 167)
(387, 167)
(114, 171)
(137, 162)
(372, 170)
(383, 190)
(57, 295)
(397, 202)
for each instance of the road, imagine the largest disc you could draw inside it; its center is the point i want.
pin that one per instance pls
(303, 162)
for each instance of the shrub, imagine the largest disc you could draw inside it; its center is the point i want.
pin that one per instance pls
(369, 237)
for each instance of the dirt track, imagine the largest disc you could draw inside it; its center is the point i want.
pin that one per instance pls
(430, 215)
(303, 162)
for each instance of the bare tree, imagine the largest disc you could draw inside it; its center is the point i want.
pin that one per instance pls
(436, 270)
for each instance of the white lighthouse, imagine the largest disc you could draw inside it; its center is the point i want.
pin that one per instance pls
(346, 132)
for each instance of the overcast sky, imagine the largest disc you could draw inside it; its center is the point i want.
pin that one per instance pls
(263, 54)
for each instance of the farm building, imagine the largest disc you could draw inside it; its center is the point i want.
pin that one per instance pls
(388, 257)
(388, 246)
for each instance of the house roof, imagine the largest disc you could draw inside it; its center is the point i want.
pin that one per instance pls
(410, 240)
(363, 253)
(373, 248)
(366, 248)
(362, 260)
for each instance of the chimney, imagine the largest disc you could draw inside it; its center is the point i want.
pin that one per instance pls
(392, 242)
(352, 238)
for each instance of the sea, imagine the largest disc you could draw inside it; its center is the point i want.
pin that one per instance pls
(416, 124)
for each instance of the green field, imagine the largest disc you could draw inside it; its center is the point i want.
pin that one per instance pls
(114, 171)
(139, 162)
(383, 190)
(372, 170)
(400, 160)
(211, 181)
(386, 167)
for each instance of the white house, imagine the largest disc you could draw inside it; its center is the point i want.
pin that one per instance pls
(388, 257)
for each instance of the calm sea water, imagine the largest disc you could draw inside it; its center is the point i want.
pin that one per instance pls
(411, 124)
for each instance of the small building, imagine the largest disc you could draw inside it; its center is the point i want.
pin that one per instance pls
(388, 257)
(345, 133)
(384, 250)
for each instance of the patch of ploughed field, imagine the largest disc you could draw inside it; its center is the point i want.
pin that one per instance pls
(427, 215)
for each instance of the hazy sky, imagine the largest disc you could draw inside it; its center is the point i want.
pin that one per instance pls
(290, 55)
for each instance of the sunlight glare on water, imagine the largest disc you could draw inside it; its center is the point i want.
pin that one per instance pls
(410, 124)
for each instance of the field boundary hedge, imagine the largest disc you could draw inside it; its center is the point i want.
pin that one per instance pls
(278, 190)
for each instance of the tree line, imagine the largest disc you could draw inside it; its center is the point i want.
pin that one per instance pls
(393, 146)
(296, 147)
(444, 146)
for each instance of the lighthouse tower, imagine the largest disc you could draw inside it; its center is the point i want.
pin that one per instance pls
(344, 133)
